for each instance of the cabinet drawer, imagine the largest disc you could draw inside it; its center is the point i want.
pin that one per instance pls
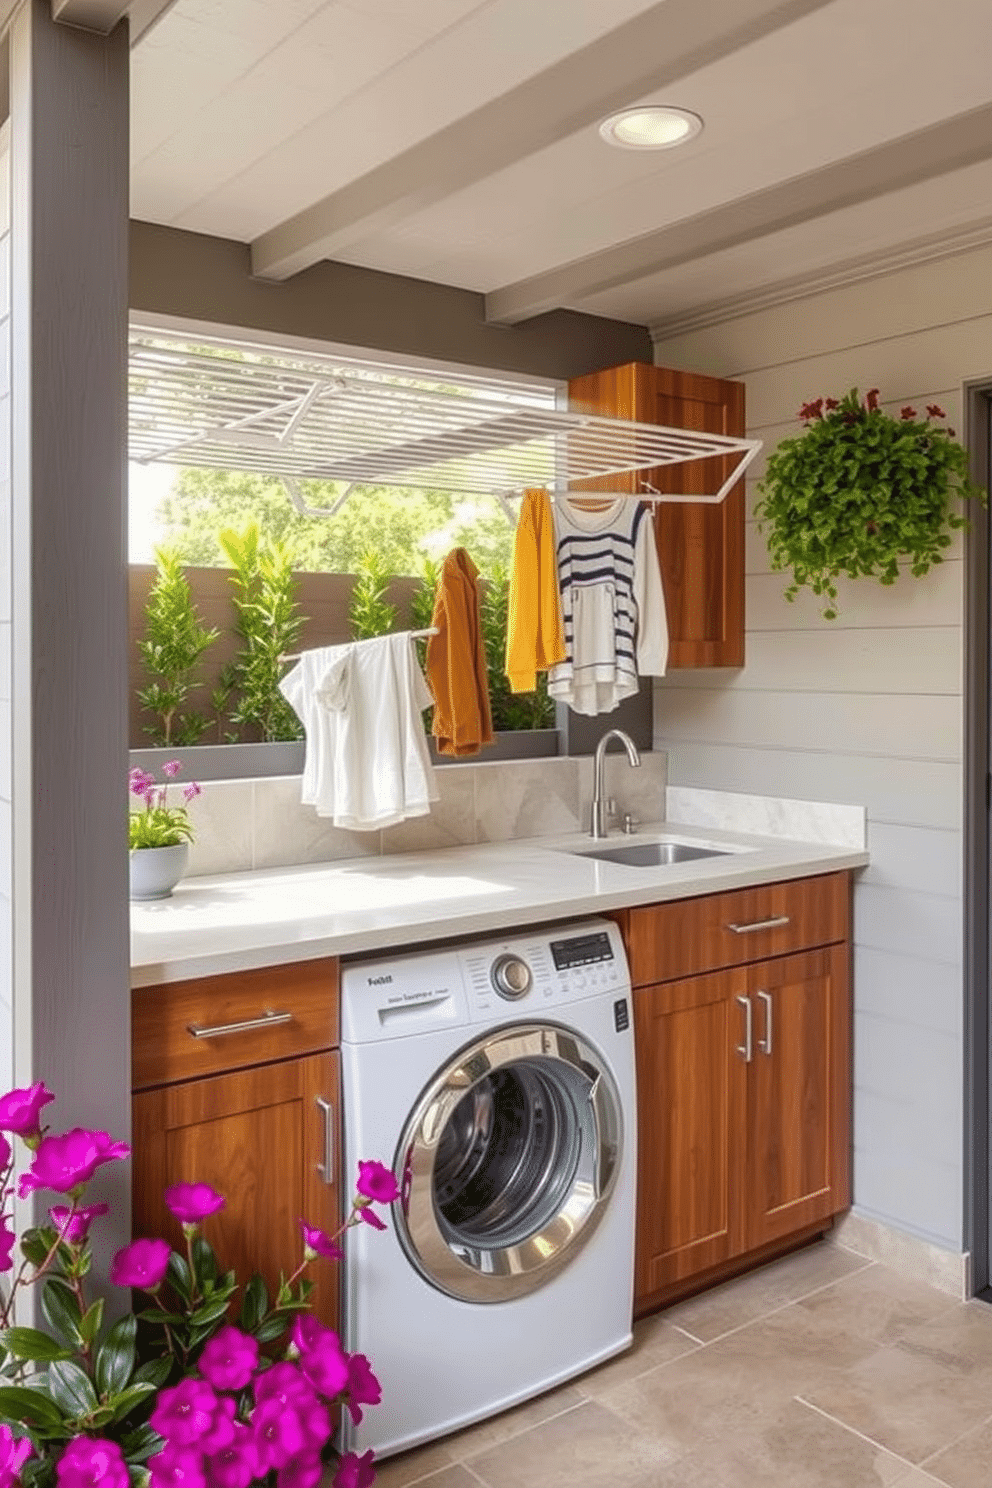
(687, 936)
(203, 1027)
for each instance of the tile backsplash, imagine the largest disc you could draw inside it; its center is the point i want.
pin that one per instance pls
(244, 824)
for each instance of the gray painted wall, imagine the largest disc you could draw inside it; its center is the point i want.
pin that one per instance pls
(69, 133)
(864, 709)
(208, 279)
(6, 843)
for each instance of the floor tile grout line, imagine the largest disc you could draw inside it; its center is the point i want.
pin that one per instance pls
(855, 1432)
(977, 1426)
(774, 1311)
(676, 1328)
(515, 1435)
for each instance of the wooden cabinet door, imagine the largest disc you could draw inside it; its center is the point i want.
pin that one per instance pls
(700, 545)
(798, 1124)
(261, 1137)
(691, 1105)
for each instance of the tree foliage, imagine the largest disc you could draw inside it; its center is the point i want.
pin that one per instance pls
(171, 649)
(404, 526)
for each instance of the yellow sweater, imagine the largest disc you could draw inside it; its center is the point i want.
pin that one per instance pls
(535, 639)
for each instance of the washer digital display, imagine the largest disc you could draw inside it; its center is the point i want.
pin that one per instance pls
(581, 950)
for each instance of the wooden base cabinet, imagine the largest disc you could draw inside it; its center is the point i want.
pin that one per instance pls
(744, 1080)
(263, 1132)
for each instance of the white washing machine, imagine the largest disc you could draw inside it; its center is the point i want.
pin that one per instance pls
(497, 1078)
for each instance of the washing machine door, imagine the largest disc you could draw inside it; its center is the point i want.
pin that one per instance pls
(508, 1160)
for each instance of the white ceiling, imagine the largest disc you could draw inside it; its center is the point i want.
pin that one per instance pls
(456, 140)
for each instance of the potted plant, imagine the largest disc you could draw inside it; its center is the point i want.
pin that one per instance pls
(158, 834)
(859, 492)
(196, 1389)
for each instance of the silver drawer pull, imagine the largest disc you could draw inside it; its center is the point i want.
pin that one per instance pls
(326, 1168)
(746, 1049)
(759, 925)
(765, 1044)
(269, 1019)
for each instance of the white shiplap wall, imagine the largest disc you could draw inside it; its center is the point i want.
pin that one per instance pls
(865, 709)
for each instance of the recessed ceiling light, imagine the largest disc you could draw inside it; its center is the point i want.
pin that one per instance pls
(653, 127)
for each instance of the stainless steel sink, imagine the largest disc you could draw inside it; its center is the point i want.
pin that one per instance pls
(652, 854)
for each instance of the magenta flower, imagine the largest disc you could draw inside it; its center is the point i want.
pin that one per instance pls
(172, 768)
(235, 1465)
(20, 1110)
(74, 1224)
(177, 1467)
(368, 1216)
(302, 1472)
(377, 1182)
(5, 1152)
(91, 1462)
(322, 1359)
(283, 1382)
(140, 783)
(192, 1202)
(279, 1434)
(221, 1433)
(354, 1471)
(67, 1162)
(191, 791)
(229, 1359)
(184, 1414)
(14, 1452)
(142, 1264)
(7, 1242)
(363, 1388)
(319, 1244)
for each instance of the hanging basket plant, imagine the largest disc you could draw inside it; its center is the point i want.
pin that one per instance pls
(860, 491)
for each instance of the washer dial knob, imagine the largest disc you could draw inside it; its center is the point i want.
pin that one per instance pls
(511, 977)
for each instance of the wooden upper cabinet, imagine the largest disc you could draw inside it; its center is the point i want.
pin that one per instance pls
(700, 545)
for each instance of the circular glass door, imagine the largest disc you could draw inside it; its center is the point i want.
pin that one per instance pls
(508, 1161)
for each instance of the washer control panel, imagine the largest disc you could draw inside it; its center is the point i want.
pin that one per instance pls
(534, 972)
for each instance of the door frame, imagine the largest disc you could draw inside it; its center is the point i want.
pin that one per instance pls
(977, 408)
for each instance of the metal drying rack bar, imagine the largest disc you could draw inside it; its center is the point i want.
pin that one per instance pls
(413, 635)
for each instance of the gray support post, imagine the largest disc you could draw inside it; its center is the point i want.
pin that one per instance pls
(69, 275)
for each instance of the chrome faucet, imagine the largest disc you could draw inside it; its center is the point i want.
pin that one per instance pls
(599, 826)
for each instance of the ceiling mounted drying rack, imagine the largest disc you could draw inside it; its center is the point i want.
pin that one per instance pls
(301, 418)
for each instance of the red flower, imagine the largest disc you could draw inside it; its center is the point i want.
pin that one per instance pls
(935, 411)
(813, 410)
(830, 404)
(871, 399)
(907, 412)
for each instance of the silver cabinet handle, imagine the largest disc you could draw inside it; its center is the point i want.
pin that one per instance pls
(326, 1168)
(746, 1048)
(269, 1019)
(759, 925)
(765, 1044)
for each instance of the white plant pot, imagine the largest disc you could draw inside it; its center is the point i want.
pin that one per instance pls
(155, 871)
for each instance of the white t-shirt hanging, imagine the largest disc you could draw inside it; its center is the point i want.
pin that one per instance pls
(613, 604)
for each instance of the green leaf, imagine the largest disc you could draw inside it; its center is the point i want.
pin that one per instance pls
(155, 1371)
(271, 1327)
(179, 1277)
(31, 1343)
(255, 1304)
(204, 1261)
(71, 1389)
(33, 1247)
(91, 1321)
(115, 1357)
(18, 1403)
(210, 1311)
(140, 1444)
(61, 1310)
(122, 1404)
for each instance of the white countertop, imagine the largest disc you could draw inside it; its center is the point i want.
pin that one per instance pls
(238, 921)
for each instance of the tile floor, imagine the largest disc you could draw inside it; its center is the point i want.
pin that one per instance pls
(820, 1369)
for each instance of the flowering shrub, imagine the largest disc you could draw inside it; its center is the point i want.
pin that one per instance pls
(191, 1391)
(859, 491)
(158, 824)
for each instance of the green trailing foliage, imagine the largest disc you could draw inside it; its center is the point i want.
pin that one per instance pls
(269, 624)
(860, 493)
(171, 651)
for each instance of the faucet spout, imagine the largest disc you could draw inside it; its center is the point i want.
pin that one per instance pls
(600, 823)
